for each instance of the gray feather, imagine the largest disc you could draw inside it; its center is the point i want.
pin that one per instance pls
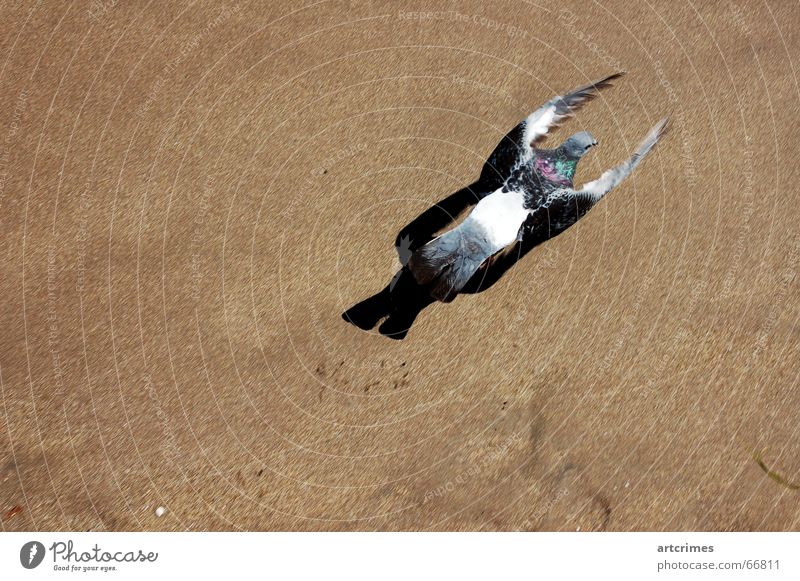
(447, 263)
(612, 178)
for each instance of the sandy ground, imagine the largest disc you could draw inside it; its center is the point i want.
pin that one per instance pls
(191, 194)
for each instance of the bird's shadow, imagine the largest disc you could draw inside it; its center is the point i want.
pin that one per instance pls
(402, 300)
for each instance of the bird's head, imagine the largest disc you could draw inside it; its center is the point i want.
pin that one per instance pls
(577, 145)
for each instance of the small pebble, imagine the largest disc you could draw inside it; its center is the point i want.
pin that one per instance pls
(161, 511)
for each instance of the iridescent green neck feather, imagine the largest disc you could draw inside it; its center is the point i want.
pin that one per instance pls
(566, 167)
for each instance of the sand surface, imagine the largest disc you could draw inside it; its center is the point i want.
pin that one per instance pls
(191, 193)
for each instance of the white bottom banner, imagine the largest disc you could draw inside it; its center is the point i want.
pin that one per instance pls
(371, 556)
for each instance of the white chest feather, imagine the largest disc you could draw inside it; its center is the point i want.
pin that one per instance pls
(500, 214)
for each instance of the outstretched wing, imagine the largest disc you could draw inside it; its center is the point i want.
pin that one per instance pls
(565, 206)
(610, 179)
(517, 146)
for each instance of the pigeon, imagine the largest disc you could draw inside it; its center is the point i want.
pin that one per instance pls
(512, 150)
(527, 191)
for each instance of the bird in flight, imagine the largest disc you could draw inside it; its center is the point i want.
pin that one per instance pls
(528, 191)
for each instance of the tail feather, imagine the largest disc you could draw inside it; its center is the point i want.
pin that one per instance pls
(447, 263)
